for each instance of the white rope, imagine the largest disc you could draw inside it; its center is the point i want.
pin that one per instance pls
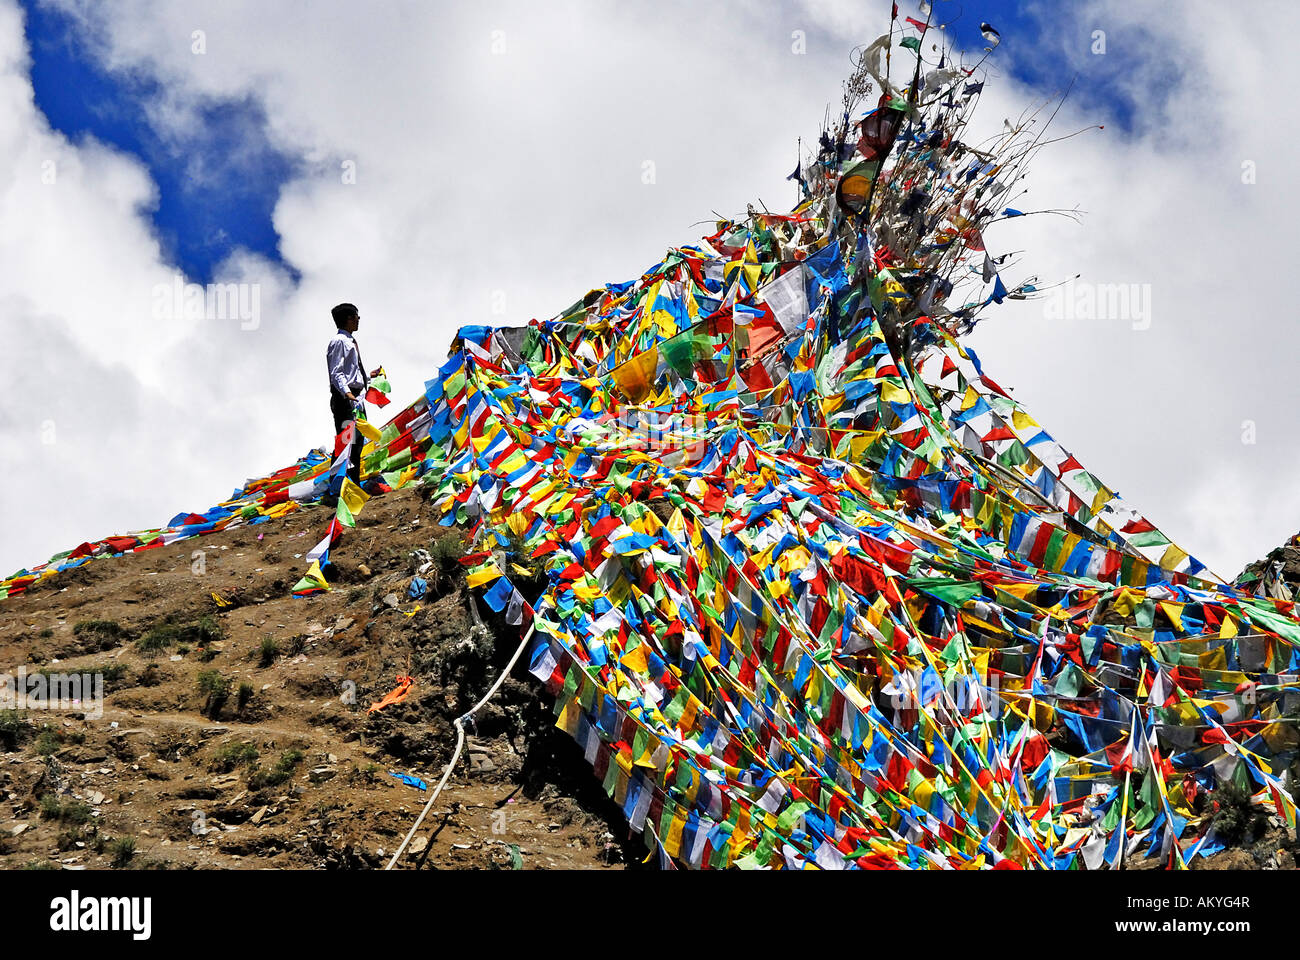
(460, 745)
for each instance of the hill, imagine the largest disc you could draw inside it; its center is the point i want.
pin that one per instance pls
(295, 773)
(806, 585)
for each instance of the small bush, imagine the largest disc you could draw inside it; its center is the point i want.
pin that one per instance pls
(13, 727)
(114, 675)
(207, 630)
(100, 634)
(211, 681)
(121, 851)
(216, 689)
(233, 755)
(1239, 821)
(150, 676)
(268, 651)
(446, 553)
(262, 778)
(244, 695)
(74, 811)
(48, 743)
(201, 632)
(111, 672)
(157, 638)
(99, 629)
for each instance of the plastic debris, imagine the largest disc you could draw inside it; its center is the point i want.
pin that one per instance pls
(396, 695)
(409, 780)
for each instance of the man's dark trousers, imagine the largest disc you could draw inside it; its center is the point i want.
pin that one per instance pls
(343, 411)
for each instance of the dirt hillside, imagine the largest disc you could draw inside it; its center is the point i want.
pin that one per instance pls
(237, 735)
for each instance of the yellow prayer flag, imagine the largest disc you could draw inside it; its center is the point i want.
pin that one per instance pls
(1215, 659)
(353, 496)
(893, 393)
(368, 429)
(518, 522)
(635, 659)
(1174, 611)
(480, 577)
(635, 378)
(1172, 558)
(1022, 421)
(673, 842)
(314, 579)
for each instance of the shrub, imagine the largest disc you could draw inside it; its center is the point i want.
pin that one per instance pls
(216, 689)
(233, 755)
(98, 629)
(207, 629)
(268, 651)
(48, 743)
(74, 811)
(122, 850)
(13, 727)
(1239, 821)
(282, 771)
(150, 676)
(201, 632)
(157, 638)
(113, 673)
(446, 553)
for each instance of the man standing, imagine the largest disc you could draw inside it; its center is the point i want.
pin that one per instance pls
(348, 382)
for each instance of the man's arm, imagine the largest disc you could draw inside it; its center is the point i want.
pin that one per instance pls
(335, 354)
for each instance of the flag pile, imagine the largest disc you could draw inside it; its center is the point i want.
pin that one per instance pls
(819, 592)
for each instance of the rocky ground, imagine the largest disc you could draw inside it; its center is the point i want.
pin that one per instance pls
(1277, 575)
(235, 734)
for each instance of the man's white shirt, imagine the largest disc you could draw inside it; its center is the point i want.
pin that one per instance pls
(344, 360)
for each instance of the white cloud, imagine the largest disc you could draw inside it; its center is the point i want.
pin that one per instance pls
(521, 172)
(1158, 413)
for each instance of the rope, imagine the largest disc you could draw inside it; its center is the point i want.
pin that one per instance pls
(460, 745)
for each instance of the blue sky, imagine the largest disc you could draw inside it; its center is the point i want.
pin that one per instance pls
(216, 189)
(1030, 33)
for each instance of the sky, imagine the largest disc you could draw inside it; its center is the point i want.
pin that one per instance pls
(449, 163)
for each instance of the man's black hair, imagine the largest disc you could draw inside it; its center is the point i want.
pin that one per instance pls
(344, 312)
